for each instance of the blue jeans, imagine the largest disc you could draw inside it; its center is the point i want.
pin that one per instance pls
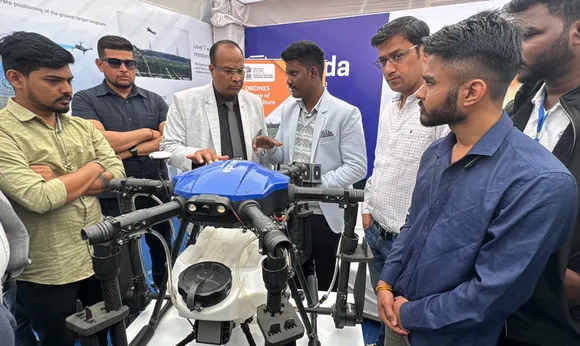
(24, 334)
(380, 248)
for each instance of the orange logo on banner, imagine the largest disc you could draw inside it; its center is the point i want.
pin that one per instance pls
(267, 79)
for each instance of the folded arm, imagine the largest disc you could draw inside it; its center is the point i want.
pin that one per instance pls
(30, 190)
(535, 222)
(112, 163)
(119, 141)
(146, 148)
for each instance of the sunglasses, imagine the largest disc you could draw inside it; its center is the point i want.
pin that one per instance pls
(116, 63)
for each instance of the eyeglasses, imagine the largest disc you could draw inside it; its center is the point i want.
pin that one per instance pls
(230, 72)
(116, 63)
(395, 59)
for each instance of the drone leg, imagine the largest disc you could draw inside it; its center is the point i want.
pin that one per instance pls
(246, 329)
(188, 339)
(313, 288)
(313, 338)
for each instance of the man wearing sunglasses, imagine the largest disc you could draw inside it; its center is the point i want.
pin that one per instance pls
(401, 139)
(217, 121)
(132, 120)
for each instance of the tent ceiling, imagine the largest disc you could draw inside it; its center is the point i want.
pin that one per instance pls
(198, 9)
(267, 12)
(288, 11)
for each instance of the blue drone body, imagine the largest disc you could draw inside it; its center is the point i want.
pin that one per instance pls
(235, 180)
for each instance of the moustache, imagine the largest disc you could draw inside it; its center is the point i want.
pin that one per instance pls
(64, 98)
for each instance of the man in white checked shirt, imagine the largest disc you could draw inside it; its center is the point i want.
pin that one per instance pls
(401, 139)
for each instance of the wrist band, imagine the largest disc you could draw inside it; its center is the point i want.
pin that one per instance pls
(105, 182)
(383, 288)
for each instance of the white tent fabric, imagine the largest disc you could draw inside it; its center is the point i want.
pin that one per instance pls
(271, 12)
(229, 17)
(228, 21)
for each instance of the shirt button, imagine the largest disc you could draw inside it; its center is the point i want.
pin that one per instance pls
(426, 229)
(130, 119)
(437, 202)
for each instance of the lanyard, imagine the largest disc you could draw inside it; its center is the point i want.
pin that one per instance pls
(542, 115)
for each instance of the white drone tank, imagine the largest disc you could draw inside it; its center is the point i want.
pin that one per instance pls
(237, 250)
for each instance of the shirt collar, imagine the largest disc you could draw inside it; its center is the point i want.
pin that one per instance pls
(315, 108)
(19, 112)
(104, 89)
(537, 100)
(488, 144)
(412, 98)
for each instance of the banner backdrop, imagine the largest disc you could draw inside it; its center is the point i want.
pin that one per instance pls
(350, 73)
(267, 79)
(172, 50)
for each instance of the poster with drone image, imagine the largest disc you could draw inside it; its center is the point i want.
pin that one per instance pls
(171, 50)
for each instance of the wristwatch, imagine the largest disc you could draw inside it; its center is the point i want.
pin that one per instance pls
(133, 151)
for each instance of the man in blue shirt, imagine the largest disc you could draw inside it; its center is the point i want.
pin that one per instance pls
(490, 204)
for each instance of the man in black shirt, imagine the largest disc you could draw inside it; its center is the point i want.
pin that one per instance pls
(132, 119)
(547, 108)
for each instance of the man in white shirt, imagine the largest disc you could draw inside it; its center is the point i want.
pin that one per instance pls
(401, 139)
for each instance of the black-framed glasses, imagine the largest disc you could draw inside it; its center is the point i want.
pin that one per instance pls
(230, 72)
(394, 59)
(116, 63)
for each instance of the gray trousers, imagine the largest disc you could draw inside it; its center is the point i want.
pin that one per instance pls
(394, 339)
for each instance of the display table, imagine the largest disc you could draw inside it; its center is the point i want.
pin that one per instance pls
(172, 329)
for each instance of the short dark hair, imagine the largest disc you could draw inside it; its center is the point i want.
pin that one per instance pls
(26, 52)
(411, 28)
(485, 46)
(214, 48)
(568, 10)
(307, 53)
(113, 42)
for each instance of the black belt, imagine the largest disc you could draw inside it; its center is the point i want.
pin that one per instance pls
(384, 233)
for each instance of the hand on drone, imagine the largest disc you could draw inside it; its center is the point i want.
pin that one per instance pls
(206, 156)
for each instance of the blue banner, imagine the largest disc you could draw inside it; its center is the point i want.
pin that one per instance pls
(350, 74)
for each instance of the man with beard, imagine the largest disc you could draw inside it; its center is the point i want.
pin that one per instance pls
(132, 120)
(53, 165)
(401, 139)
(490, 204)
(547, 109)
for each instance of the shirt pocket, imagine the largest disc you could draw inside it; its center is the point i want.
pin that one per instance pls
(148, 120)
(328, 140)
